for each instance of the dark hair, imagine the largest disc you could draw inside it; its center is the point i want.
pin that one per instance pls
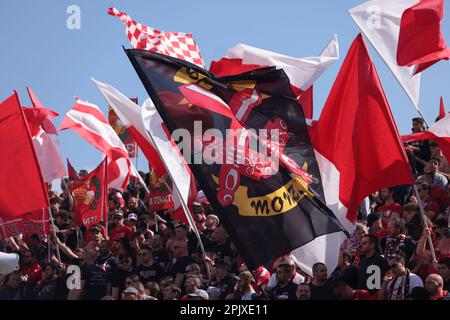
(418, 120)
(52, 265)
(317, 265)
(436, 160)
(445, 261)
(55, 201)
(411, 206)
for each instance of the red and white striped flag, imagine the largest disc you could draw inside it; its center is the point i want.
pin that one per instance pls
(89, 122)
(175, 44)
(46, 143)
(165, 154)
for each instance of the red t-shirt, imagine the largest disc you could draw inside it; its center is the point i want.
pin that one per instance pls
(34, 272)
(118, 233)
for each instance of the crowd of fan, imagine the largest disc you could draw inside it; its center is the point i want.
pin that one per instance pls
(144, 255)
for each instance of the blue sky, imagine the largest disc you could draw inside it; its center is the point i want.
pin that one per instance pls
(40, 51)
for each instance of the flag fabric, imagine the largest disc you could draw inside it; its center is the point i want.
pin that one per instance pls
(267, 210)
(130, 115)
(420, 41)
(89, 122)
(441, 110)
(123, 133)
(439, 132)
(46, 143)
(22, 188)
(35, 222)
(357, 146)
(175, 44)
(302, 72)
(379, 20)
(89, 195)
(177, 168)
(161, 196)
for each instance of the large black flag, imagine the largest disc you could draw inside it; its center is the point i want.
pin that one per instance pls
(264, 185)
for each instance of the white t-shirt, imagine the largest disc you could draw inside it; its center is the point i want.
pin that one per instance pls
(414, 281)
(273, 280)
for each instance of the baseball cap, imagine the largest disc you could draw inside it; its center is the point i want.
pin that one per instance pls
(200, 293)
(118, 214)
(213, 291)
(132, 216)
(131, 290)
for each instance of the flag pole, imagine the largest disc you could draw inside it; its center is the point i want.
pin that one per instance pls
(54, 234)
(105, 200)
(424, 220)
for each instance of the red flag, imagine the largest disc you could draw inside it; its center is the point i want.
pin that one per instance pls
(441, 110)
(22, 188)
(36, 117)
(89, 194)
(420, 41)
(356, 135)
(36, 222)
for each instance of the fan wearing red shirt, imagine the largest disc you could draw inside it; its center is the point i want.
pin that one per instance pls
(120, 230)
(342, 291)
(30, 268)
(430, 206)
(390, 208)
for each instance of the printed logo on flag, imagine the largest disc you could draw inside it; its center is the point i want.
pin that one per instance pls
(122, 131)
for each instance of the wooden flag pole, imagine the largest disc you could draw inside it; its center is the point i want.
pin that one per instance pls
(424, 220)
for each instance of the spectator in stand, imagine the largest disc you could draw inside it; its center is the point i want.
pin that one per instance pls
(113, 205)
(303, 291)
(430, 206)
(153, 289)
(11, 288)
(320, 286)
(191, 284)
(435, 287)
(346, 271)
(180, 261)
(105, 258)
(148, 269)
(439, 179)
(390, 208)
(342, 291)
(130, 293)
(444, 271)
(214, 293)
(30, 269)
(171, 292)
(222, 244)
(94, 244)
(120, 230)
(285, 289)
(245, 287)
(211, 223)
(397, 240)
(420, 149)
(436, 152)
(224, 279)
(95, 281)
(414, 221)
(46, 287)
(370, 261)
(119, 276)
(160, 255)
(375, 225)
(198, 295)
(132, 221)
(290, 260)
(398, 282)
